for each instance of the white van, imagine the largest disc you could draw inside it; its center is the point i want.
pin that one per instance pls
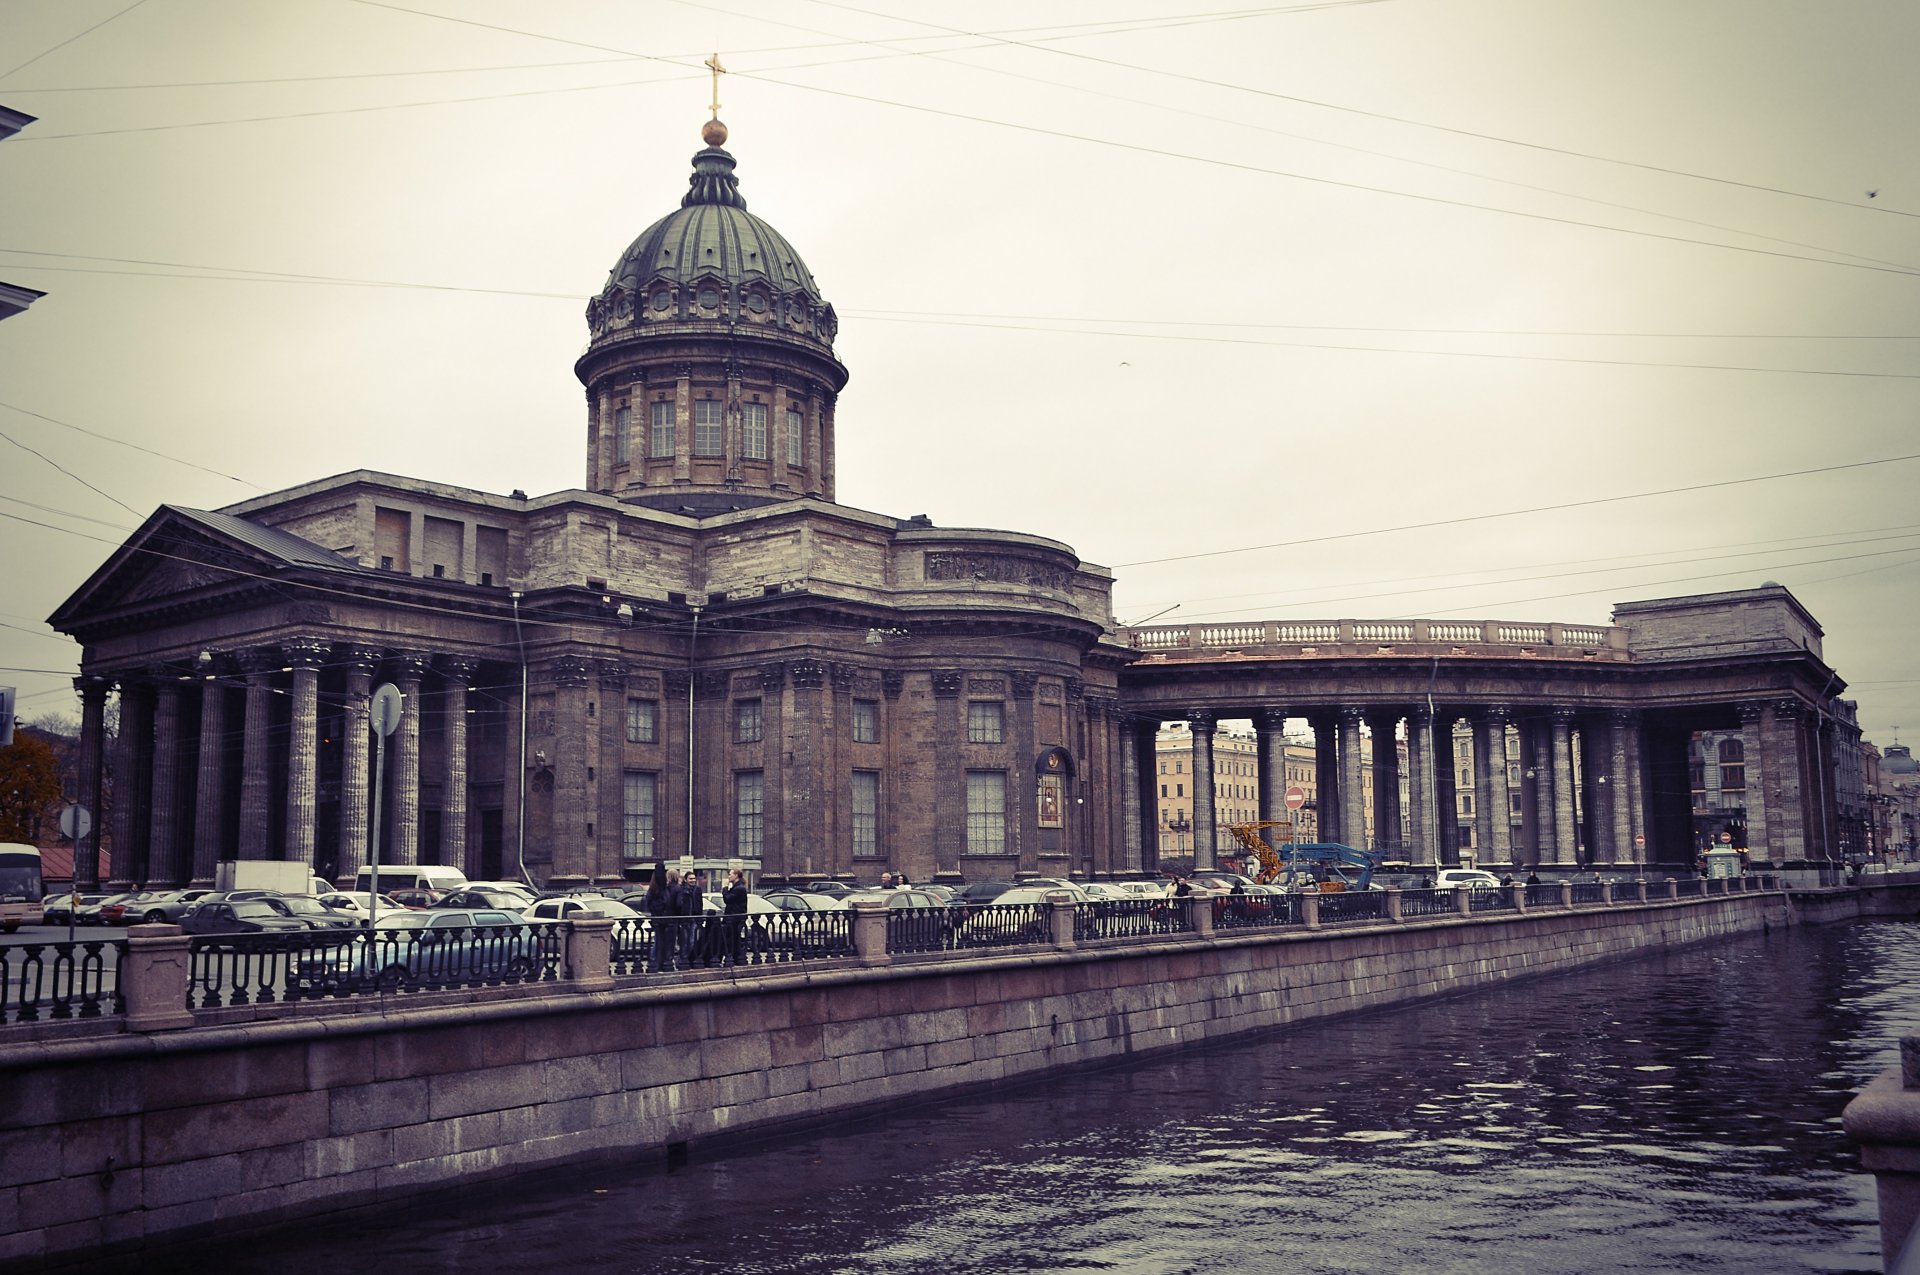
(411, 876)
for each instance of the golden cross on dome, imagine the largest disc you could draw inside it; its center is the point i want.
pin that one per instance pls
(713, 64)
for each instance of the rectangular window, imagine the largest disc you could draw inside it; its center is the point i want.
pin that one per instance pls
(986, 812)
(1179, 790)
(753, 430)
(796, 438)
(1732, 777)
(866, 814)
(749, 815)
(662, 441)
(1163, 790)
(643, 721)
(641, 787)
(866, 721)
(746, 721)
(986, 721)
(622, 434)
(709, 416)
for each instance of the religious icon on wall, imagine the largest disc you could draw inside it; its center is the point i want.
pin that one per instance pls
(1050, 804)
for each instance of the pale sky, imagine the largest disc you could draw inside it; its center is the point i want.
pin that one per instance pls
(1153, 277)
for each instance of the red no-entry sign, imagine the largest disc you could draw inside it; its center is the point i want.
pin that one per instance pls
(1296, 797)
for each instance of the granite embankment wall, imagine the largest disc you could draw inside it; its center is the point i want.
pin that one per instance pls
(121, 1140)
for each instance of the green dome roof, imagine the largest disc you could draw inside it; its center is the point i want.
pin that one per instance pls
(711, 259)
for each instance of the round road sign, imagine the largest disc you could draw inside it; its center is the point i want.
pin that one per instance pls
(75, 822)
(1296, 797)
(383, 712)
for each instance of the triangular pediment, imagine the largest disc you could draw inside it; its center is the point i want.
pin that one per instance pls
(181, 555)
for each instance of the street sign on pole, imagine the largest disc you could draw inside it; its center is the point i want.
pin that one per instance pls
(1296, 797)
(6, 716)
(75, 822)
(383, 715)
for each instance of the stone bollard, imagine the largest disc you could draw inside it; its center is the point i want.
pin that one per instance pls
(1673, 888)
(1517, 894)
(1462, 900)
(1310, 910)
(1885, 1121)
(1062, 912)
(1566, 895)
(589, 942)
(870, 931)
(1640, 890)
(153, 977)
(1606, 893)
(1200, 915)
(1393, 903)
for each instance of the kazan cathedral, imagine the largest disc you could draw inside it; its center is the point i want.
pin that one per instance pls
(699, 654)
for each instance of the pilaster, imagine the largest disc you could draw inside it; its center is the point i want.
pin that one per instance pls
(303, 747)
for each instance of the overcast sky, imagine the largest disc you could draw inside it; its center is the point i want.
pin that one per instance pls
(1179, 283)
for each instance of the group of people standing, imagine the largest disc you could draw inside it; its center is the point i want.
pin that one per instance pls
(698, 939)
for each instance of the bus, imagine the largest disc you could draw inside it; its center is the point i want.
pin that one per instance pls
(21, 894)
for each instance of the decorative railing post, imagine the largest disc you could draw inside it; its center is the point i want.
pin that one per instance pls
(1393, 903)
(1517, 896)
(1606, 894)
(1310, 910)
(589, 941)
(1673, 888)
(1462, 900)
(1200, 915)
(870, 931)
(1060, 915)
(1566, 895)
(1640, 889)
(153, 978)
(1885, 1121)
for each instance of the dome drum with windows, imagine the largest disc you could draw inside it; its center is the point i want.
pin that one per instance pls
(710, 370)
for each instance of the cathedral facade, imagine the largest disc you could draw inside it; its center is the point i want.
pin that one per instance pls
(698, 655)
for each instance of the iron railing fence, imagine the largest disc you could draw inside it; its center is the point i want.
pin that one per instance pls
(1128, 919)
(1544, 895)
(656, 945)
(1004, 925)
(1499, 899)
(1349, 906)
(1428, 902)
(228, 970)
(55, 982)
(1689, 887)
(1589, 892)
(1255, 911)
(920, 929)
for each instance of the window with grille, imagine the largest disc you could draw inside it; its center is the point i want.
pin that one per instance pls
(866, 813)
(986, 721)
(746, 721)
(986, 812)
(866, 721)
(637, 840)
(796, 438)
(753, 430)
(749, 814)
(643, 721)
(709, 419)
(662, 441)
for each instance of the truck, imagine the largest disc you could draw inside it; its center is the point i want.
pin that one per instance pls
(1323, 866)
(267, 874)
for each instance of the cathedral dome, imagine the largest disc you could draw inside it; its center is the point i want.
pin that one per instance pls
(711, 260)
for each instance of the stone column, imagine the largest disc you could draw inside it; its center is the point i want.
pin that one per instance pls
(1759, 776)
(1327, 788)
(256, 759)
(1563, 830)
(1204, 825)
(163, 837)
(355, 744)
(1386, 781)
(1540, 761)
(1422, 823)
(610, 797)
(128, 864)
(210, 793)
(1483, 723)
(93, 744)
(1353, 787)
(1445, 795)
(1270, 743)
(1787, 768)
(303, 747)
(1619, 788)
(457, 675)
(807, 797)
(1497, 794)
(409, 669)
(1023, 805)
(1131, 799)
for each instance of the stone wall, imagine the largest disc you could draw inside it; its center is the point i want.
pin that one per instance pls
(123, 1140)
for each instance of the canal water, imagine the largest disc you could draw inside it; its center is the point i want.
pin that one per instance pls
(1674, 1113)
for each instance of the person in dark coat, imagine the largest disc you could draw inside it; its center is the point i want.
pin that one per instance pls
(662, 903)
(692, 905)
(733, 902)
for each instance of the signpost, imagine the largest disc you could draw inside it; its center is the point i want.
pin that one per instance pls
(75, 823)
(383, 715)
(1296, 797)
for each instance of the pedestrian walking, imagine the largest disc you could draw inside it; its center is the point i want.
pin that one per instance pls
(662, 903)
(733, 903)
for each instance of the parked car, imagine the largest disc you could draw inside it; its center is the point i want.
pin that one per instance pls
(130, 909)
(799, 901)
(979, 892)
(171, 906)
(248, 916)
(565, 906)
(415, 898)
(442, 947)
(490, 895)
(354, 904)
(833, 889)
(58, 910)
(1472, 878)
(986, 925)
(304, 907)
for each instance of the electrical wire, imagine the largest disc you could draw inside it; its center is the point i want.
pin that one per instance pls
(70, 39)
(109, 438)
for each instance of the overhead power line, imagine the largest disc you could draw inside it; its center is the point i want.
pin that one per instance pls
(70, 39)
